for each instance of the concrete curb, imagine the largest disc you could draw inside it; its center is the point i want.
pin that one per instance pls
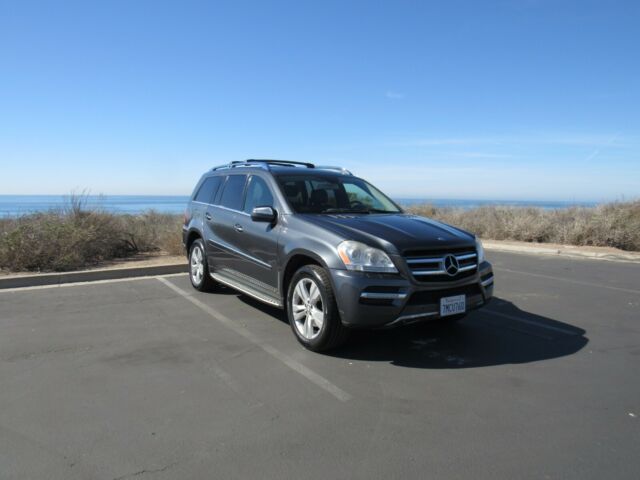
(89, 275)
(563, 251)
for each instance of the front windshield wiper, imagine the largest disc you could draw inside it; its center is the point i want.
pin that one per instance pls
(344, 210)
(356, 210)
(379, 210)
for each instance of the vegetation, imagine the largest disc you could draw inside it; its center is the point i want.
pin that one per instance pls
(77, 237)
(607, 225)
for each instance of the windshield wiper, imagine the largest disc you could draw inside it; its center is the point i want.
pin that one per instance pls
(379, 210)
(344, 210)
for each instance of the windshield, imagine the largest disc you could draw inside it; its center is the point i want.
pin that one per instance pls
(334, 194)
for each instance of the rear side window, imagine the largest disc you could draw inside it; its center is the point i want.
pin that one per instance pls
(233, 191)
(208, 190)
(258, 194)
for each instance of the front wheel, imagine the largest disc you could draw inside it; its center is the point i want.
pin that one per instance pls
(312, 310)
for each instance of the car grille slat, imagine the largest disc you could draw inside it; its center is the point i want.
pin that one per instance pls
(432, 267)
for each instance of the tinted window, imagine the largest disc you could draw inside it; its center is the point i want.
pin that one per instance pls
(208, 190)
(232, 193)
(258, 195)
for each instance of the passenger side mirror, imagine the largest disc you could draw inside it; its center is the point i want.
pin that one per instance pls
(263, 214)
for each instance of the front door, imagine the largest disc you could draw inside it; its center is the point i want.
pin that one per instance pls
(258, 241)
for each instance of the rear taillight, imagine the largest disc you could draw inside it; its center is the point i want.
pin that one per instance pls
(187, 217)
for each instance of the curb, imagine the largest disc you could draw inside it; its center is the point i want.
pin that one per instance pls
(89, 276)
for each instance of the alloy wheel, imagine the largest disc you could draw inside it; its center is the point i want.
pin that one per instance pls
(197, 265)
(308, 309)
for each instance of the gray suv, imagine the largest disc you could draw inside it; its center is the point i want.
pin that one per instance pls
(330, 248)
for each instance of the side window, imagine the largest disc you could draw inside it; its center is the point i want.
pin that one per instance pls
(233, 191)
(258, 194)
(208, 190)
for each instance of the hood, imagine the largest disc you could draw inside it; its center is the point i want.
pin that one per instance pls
(394, 233)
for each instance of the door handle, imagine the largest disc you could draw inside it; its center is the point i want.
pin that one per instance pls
(238, 227)
(207, 216)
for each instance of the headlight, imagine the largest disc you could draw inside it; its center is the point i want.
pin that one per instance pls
(358, 256)
(480, 250)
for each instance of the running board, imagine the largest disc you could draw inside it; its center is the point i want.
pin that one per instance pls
(246, 290)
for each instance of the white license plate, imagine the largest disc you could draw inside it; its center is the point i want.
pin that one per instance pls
(452, 305)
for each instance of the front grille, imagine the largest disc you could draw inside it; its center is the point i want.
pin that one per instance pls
(431, 266)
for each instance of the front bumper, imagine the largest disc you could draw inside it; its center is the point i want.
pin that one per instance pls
(377, 300)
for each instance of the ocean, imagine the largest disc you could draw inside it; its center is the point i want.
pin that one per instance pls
(16, 205)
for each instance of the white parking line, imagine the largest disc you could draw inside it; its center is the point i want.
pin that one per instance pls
(488, 311)
(294, 365)
(578, 282)
(91, 282)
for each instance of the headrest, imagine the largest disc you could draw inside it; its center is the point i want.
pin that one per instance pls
(291, 190)
(319, 197)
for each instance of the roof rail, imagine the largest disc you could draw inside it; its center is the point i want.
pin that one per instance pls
(264, 164)
(338, 169)
(283, 163)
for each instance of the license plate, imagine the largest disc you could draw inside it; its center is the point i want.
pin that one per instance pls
(452, 305)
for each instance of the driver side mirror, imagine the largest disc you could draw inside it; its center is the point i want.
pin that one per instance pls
(263, 214)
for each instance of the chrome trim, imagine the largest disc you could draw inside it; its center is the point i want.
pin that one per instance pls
(466, 268)
(487, 282)
(424, 260)
(465, 256)
(230, 209)
(246, 290)
(383, 296)
(411, 317)
(440, 261)
(419, 273)
(428, 272)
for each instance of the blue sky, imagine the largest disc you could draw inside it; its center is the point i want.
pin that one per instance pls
(502, 100)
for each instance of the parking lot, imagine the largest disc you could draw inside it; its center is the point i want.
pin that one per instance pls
(149, 378)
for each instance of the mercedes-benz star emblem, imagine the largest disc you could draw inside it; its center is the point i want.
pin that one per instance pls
(451, 265)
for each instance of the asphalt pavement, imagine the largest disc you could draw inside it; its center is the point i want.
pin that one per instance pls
(147, 378)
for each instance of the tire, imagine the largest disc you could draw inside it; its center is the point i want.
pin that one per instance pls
(199, 269)
(312, 283)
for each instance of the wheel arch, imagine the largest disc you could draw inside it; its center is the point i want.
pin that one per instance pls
(192, 236)
(297, 259)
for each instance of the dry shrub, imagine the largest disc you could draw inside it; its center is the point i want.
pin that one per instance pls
(609, 225)
(59, 241)
(75, 238)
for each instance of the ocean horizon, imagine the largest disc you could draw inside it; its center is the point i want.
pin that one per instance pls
(17, 205)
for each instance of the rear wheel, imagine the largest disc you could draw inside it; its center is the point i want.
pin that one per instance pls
(198, 268)
(312, 310)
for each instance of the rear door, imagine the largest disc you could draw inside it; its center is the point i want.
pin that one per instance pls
(222, 252)
(201, 203)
